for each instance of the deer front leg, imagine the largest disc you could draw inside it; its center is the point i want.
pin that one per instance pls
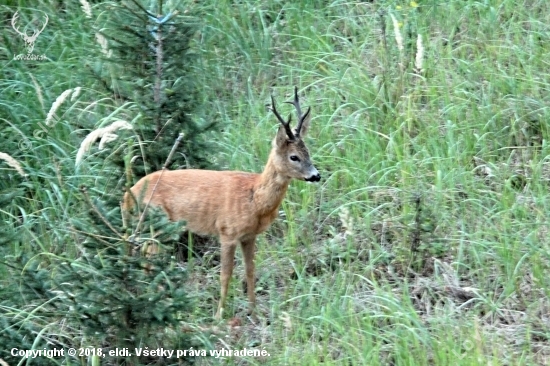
(227, 258)
(248, 247)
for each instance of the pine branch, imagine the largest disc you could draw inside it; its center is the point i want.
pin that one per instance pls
(84, 191)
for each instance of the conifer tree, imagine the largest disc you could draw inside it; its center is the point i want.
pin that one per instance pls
(100, 291)
(151, 63)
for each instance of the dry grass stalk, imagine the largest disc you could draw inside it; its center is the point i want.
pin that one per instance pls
(419, 55)
(106, 134)
(55, 106)
(287, 321)
(13, 163)
(105, 139)
(104, 45)
(397, 31)
(347, 221)
(38, 90)
(86, 8)
(76, 93)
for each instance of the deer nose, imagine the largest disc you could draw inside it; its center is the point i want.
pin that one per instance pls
(314, 178)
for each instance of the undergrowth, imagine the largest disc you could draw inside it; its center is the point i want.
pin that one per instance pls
(427, 240)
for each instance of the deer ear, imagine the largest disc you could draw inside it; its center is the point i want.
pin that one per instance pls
(281, 138)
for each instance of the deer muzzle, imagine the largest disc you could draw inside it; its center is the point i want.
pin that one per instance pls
(314, 177)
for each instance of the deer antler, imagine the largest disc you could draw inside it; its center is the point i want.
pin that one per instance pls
(301, 118)
(37, 33)
(25, 35)
(286, 124)
(13, 21)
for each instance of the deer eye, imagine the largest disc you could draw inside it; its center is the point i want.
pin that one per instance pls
(294, 158)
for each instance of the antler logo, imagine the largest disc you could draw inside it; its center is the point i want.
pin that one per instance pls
(29, 40)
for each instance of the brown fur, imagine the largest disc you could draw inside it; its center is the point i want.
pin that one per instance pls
(234, 206)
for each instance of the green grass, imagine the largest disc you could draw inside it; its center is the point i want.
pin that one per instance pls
(427, 240)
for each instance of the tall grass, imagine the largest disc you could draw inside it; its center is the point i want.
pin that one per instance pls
(442, 169)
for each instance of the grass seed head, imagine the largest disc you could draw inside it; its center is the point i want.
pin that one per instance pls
(12, 162)
(106, 134)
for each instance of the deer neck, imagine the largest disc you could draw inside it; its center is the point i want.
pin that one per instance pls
(270, 188)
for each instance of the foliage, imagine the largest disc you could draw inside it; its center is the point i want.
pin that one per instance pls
(435, 149)
(105, 293)
(78, 279)
(147, 61)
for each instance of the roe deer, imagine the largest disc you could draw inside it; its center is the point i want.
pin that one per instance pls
(235, 206)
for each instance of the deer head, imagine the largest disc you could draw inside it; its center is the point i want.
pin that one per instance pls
(291, 154)
(29, 40)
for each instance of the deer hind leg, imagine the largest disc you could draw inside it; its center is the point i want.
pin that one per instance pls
(227, 258)
(248, 248)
